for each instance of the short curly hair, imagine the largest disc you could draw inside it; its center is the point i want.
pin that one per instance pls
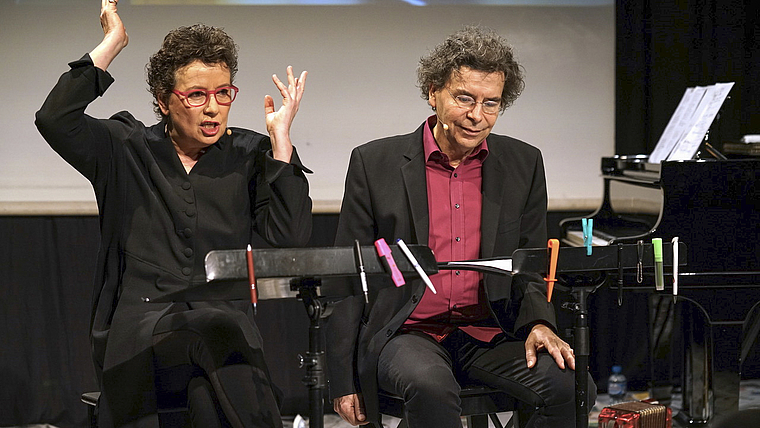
(477, 48)
(183, 46)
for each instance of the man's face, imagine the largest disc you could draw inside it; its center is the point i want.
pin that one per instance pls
(467, 126)
(197, 127)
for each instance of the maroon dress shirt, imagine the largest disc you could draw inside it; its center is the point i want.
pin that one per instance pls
(454, 205)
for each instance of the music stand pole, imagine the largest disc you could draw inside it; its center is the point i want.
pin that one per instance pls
(582, 352)
(315, 378)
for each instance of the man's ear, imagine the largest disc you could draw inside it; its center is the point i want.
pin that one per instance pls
(431, 96)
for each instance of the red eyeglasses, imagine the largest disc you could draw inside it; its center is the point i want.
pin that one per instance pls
(199, 97)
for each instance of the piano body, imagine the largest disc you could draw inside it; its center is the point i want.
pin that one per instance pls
(714, 207)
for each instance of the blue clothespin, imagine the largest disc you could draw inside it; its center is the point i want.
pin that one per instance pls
(588, 233)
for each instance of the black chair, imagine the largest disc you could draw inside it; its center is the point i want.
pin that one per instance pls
(478, 404)
(170, 414)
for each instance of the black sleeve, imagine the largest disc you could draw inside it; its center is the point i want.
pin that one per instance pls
(83, 141)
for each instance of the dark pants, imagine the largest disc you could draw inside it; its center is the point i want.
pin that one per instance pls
(206, 353)
(428, 376)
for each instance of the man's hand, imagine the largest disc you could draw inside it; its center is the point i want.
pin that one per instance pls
(279, 121)
(351, 409)
(115, 36)
(542, 337)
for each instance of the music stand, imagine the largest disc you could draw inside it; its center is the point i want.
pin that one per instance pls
(573, 269)
(298, 273)
(304, 268)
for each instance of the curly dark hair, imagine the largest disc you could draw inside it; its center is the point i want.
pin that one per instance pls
(183, 46)
(477, 48)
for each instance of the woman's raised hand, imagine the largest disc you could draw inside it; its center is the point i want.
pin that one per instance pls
(115, 36)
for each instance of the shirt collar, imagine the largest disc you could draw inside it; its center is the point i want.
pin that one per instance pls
(159, 131)
(431, 147)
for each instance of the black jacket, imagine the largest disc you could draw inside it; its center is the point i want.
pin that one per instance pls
(386, 197)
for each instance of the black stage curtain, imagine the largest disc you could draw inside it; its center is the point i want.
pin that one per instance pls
(664, 47)
(47, 265)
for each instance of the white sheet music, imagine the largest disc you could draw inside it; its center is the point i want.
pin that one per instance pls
(690, 122)
(678, 125)
(502, 264)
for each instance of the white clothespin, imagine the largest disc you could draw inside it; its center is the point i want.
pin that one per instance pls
(674, 241)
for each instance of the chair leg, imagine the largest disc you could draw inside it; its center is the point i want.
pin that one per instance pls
(91, 416)
(91, 400)
(520, 418)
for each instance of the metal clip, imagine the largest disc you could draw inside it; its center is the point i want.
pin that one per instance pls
(620, 275)
(640, 264)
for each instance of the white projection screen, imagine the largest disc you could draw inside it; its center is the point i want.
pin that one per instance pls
(361, 57)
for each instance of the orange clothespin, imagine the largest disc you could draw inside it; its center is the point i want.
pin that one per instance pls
(551, 269)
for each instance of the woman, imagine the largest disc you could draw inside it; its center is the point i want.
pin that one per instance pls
(167, 194)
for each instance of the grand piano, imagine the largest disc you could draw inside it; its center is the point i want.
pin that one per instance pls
(713, 206)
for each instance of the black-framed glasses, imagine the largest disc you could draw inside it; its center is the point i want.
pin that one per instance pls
(199, 97)
(467, 102)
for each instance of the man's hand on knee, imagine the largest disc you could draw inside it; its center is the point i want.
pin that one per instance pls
(351, 409)
(542, 337)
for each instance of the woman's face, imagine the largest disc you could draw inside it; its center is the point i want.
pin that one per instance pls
(195, 128)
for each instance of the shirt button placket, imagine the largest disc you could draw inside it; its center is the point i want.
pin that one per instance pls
(187, 232)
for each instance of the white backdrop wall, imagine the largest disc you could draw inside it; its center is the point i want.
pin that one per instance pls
(361, 85)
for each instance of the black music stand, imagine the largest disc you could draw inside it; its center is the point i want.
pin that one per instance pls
(306, 267)
(574, 270)
(303, 270)
(582, 274)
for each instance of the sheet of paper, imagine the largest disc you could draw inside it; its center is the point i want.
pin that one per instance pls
(705, 113)
(678, 125)
(502, 264)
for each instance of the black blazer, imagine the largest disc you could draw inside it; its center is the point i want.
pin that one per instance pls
(386, 197)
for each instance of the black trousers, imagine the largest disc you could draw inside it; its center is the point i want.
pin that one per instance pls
(208, 353)
(428, 375)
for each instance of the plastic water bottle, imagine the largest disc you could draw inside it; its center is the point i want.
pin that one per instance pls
(617, 385)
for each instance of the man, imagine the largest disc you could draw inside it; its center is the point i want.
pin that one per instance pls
(467, 194)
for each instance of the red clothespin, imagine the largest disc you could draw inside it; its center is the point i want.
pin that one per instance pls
(551, 269)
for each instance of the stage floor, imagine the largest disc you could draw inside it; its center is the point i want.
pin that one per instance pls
(749, 398)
